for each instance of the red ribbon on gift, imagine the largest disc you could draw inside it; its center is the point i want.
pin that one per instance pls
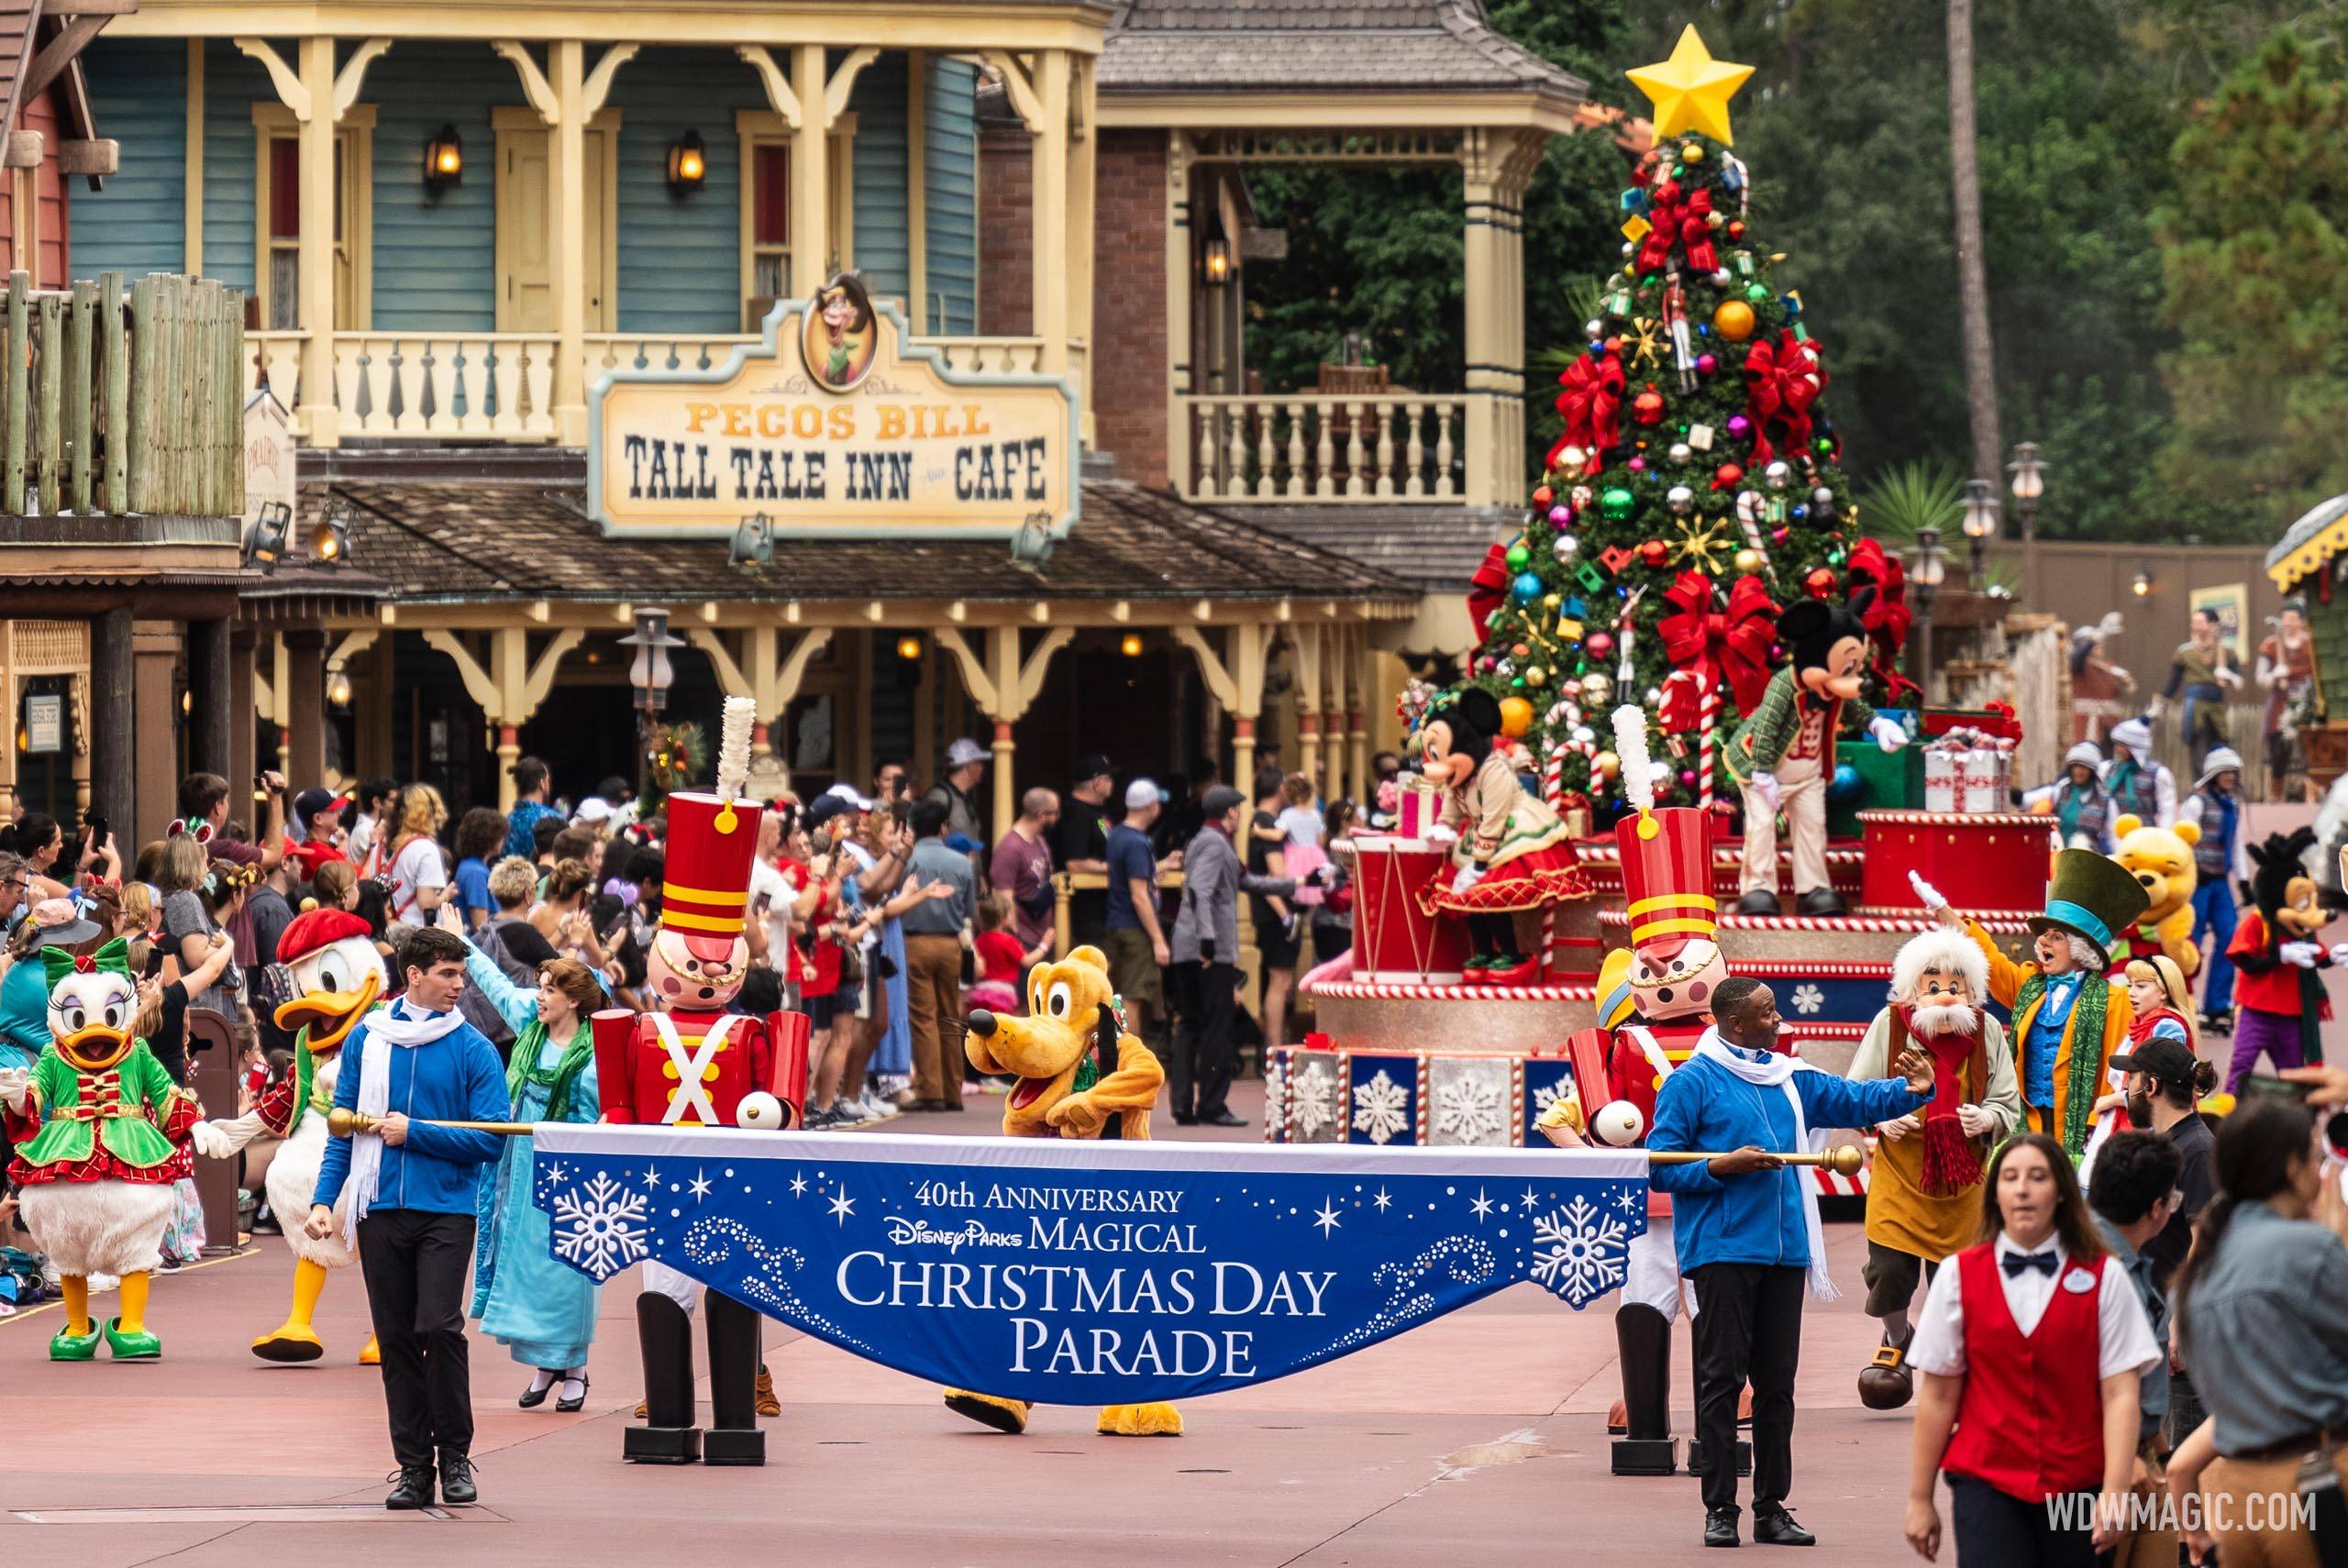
(1487, 588)
(1732, 645)
(1592, 404)
(1781, 381)
(1885, 615)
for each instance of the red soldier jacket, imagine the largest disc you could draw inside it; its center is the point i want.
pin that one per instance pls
(1631, 1073)
(683, 1068)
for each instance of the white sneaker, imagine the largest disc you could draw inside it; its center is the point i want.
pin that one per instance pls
(876, 1108)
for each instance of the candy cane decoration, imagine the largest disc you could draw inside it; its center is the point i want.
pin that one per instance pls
(1748, 517)
(1708, 719)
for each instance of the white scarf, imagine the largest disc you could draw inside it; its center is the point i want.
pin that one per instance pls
(1777, 1073)
(393, 1025)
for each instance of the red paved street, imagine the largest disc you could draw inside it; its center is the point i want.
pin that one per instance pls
(1476, 1439)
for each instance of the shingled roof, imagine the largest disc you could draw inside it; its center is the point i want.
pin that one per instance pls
(1436, 548)
(471, 542)
(1160, 46)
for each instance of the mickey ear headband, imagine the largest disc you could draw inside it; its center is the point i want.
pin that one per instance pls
(200, 831)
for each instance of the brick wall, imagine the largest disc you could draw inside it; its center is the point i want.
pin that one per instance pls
(1006, 232)
(1129, 349)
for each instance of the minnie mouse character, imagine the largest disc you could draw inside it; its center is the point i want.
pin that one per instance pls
(1783, 754)
(1518, 856)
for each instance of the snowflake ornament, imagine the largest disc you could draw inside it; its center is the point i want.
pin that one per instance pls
(1310, 1093)
(1380, 1108)
(599, 1229)
(1578, 1253)
(1808, 998)
(1468, 1110)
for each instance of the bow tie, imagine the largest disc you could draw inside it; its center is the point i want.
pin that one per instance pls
(2067, 982)
(2019, 1264)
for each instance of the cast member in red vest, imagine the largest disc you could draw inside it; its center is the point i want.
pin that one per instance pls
(2031, 1348)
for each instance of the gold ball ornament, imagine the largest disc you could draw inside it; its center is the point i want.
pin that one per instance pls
(1748, 560)
(1516, 716)
(1537, 675)
(1606, 765)
(1733, 320)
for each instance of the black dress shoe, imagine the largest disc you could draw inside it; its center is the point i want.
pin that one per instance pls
(1777, 1528)
(456, 1486)
(1182, 1120)
(1720, 1527)
(1223, 1119)
(411, 1488)
(1759, 902)
(534, 1396)
(1821, 902)
(569, 1406)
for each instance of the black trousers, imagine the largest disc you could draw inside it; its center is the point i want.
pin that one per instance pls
(414, 1264)
(1206, 1003)
(1998, 1530)
(1747, 1329)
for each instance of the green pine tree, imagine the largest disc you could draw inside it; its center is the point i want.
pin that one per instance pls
(1667, 491)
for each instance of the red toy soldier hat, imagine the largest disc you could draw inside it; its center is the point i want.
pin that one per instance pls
(706, 883)
(1668, 878)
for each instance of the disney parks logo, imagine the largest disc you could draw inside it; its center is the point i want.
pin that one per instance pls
(904, 1232)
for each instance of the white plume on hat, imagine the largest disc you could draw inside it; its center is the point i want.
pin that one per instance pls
(1631, 748)
(1939, 948)
(733, 746)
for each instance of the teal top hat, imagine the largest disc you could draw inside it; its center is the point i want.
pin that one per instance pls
(2092, 895)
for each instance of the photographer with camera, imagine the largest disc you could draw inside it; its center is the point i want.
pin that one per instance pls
(1205, 976)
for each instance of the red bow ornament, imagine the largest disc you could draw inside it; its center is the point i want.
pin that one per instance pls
(1886, 616)
(1782, 379)
(1681, 219)
(1486, 588)
(1592, 404)
(1732, 645)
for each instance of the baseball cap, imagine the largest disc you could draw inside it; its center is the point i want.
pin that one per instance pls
(2164, 1059)
(964, 752)
(1143, 793)
(825, 808)
(1092, 765)
(310, 802)
(847, 794)
(592, 810)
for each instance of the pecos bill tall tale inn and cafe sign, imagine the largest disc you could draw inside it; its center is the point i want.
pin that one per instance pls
(835, 425)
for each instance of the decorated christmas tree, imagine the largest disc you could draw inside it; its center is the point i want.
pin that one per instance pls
(1695, 492)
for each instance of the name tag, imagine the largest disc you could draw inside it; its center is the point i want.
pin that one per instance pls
(2079, 1282)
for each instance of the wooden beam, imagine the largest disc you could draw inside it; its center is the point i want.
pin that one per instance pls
(352, 645)
(843, 83)
(353, 74)
(290, 90)
(535, 85)
(57, 53)
(1018, 85)
(479, 684)
(99, 156)
(599, 80)
(192, 165)
(539, 680)
(779, 97)
(975, 679)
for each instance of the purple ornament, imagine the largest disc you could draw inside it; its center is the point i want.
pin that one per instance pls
(1739, 427)
(1637, 465)
(1686, 778)
(1705, 364)
(1561, 514)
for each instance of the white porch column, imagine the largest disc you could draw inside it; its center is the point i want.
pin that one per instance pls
(315, 258)
(1497, 165)
(567, 214)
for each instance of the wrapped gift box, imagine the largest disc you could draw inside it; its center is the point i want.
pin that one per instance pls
(1421, 808)
(1889, 782)
(1944, 780)
(1986, 778)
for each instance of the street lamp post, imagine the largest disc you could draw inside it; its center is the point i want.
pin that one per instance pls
(2030, 483)
(1927, 570)
(1981, 526)
(649, 676)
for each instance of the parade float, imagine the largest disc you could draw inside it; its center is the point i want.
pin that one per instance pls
(1692, 551)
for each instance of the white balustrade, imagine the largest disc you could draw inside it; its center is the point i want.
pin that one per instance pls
(1316, 449)
(274, 360)
(425, 386)
(624, 351)
(995, 355)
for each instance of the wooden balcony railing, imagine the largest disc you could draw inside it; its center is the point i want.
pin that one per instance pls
(1310, 448)
(123, 401)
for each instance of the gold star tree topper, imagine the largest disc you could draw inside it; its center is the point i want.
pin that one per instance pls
(1690, 91)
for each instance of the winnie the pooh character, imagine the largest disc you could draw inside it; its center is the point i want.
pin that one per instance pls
(2162, 860)
(1067, 1088)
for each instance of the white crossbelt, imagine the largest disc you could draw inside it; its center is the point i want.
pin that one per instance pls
(690, 1095)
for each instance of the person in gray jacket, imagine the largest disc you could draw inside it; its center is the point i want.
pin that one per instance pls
(1205, 977)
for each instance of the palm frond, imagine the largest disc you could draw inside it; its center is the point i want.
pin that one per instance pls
(1899, 500)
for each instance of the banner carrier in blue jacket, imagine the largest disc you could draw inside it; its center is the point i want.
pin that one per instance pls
(1073, 1272)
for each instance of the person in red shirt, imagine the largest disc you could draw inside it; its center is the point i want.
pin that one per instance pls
(2031, 1349)
(1002, 960)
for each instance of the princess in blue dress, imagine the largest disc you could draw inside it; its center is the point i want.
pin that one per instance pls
(541, 1310)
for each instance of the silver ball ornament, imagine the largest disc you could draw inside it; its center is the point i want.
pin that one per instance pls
(1566, 547)
(1822, 498)
(1680, 452)
(1776, 476)
(1593, 328)
(1680, 499)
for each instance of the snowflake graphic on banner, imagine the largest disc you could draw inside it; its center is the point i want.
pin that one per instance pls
(600, 1227)
(1467, 1109)
(1546, 1095)
(1578, 1253)
(1378, 1108)
(1808, 998)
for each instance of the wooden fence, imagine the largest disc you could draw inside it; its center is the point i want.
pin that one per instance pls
(123, 401)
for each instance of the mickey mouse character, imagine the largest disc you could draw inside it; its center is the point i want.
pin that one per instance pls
(2281, 998)
(1783, 754)
(1517, 856)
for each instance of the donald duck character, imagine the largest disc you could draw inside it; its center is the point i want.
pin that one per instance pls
(102, 1135)
(334, 962)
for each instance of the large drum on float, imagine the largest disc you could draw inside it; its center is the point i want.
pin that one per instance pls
(1395, 941)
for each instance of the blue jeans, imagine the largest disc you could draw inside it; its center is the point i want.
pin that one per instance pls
(2213, 915)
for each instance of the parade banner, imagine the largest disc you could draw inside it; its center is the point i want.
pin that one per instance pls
(1082, 1273)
